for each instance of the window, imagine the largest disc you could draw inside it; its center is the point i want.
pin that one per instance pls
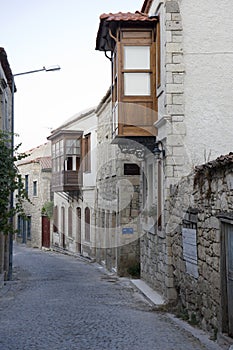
(26, 183)
(137, 58)
(58, 156)
(158, 56)
(87, 153)
(28, 224)
(70, 222)
(87, 224)
(72, 146)
(34, 188)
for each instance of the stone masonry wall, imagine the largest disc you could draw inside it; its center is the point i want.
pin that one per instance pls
(206, 196)
(34, 208)
(117, 200)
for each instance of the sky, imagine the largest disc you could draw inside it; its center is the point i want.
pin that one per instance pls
(42, 33)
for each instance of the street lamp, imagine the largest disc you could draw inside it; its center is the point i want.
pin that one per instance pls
(49, 69)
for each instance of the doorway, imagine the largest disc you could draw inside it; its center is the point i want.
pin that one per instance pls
(45, 232)
(227, 277)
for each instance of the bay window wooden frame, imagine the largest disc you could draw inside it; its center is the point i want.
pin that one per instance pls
(133, 115)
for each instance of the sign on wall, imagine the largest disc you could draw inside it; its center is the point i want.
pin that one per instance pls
(127, 231)
(189, 236)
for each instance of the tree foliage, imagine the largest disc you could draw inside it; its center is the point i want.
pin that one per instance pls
(10, 182)
(47, 209)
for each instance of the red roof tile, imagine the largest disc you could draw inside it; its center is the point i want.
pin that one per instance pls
(46, 162)
(137, 16)
(110, 21)
(219, 162)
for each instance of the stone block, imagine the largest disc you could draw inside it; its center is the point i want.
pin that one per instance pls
(177, 118)
(177, 99)
(174, 140)
(174, 47)
(175, 109)
(169, 282)
(178, 150)
(176, 38)
(169, 38)
(179, 128)
(173, 25)
(169, 78)
(175, 67)
(168, 58)
(177, 58)
(172, 7)
(175, 88)
(171, 294)
(176, 17)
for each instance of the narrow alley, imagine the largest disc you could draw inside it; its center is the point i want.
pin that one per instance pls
(60, 302)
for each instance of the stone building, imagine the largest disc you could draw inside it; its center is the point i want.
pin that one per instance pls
(194, 104)
(35, 169)
(5, 125)
(73, 183)
(117, 200)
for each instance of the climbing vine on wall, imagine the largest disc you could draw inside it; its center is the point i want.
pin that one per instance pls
(10, 182)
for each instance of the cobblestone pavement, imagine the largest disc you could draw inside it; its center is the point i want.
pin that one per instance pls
(60, 302)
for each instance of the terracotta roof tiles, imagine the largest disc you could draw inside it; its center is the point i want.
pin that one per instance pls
(223, 160)
(110, 21)
(128, 16)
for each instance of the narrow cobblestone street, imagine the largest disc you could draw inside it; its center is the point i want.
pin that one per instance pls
(60, 302)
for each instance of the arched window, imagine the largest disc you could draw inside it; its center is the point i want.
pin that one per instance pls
(87, 224)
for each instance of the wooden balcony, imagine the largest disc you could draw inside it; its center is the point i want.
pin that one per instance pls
(67, 181)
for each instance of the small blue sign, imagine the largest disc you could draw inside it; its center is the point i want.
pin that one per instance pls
(127, 231)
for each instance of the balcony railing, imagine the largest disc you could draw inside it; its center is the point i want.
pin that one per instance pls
(66, 181)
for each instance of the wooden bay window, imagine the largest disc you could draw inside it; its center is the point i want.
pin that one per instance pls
(66, 160)
(131, 40)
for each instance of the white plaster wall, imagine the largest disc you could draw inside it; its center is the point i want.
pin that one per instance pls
(208, 84)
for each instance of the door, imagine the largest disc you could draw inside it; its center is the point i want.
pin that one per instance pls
(229, 275)
(45, 232)
(79, 230)
(63, 227)
(24, 231)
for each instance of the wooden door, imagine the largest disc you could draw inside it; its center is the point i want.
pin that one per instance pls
(229, 276)
(45, 232)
